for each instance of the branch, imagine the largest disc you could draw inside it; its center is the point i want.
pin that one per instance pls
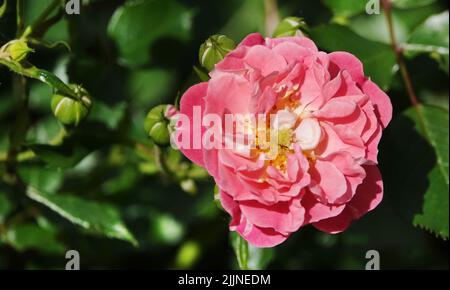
(387, 7)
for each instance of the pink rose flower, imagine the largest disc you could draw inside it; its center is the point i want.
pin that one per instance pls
(330, 118)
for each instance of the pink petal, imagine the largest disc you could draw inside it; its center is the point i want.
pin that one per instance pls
(228, 93)
(338, 138)
(302, 41)
(259, 237)
(331, 88)
(292, 52)
(336, 109)
(193, 97)
(341, 60)
(234, 61)
(372, 145)
(369, 194)
(283, 217)
(381, 102)
(316, 211)
(252, 39)
(335, 224)
(265, 60)
(329, 179)
(353, 172)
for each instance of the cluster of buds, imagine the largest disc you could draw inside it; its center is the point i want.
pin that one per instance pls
(213, 50)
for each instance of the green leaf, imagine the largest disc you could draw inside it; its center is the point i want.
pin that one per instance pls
(31, 236)
(64, 156)
(411, 3)
(5, 207)
(248, 256)
(97, 217)
(374, 27)
(432, 124)
(432, 37)
(3, 7)
(137, 24)
(345, 8)
(41, 75)
(47, 179)
(79, 144)
(378, 58)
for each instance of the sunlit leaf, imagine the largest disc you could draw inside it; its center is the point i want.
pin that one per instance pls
(97, 217)
(432, 123)
(31, 236)
(345, 8)
(137, 24)
(378, 58)
(411, 3)
(432, 37)
(47, 179)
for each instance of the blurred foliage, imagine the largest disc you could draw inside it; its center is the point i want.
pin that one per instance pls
(105, 178)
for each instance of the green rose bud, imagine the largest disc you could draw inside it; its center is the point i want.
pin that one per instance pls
(214, 49)
(157, 125)
(18, 49)
(70, 111)
(290, 26)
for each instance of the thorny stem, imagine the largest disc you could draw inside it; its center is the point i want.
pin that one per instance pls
(387, 7)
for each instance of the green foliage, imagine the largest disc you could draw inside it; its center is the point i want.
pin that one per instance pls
(3, 7)
(93, 186)
(290, 26)
(33, 237)
(431, 37)
(5, 207)
(428, 122)
(411, 3)
(248, 256)
(345, 8)
(378, 58)
(138, 24)
(96, 217)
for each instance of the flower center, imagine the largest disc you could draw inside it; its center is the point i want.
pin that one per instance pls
(290, 125)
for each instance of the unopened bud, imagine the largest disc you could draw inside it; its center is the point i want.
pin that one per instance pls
(214, 49)
(71, 111)
(290, 26)
(157, 124)
(18, 49)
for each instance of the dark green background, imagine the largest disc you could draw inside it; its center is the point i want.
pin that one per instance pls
(148, 60)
